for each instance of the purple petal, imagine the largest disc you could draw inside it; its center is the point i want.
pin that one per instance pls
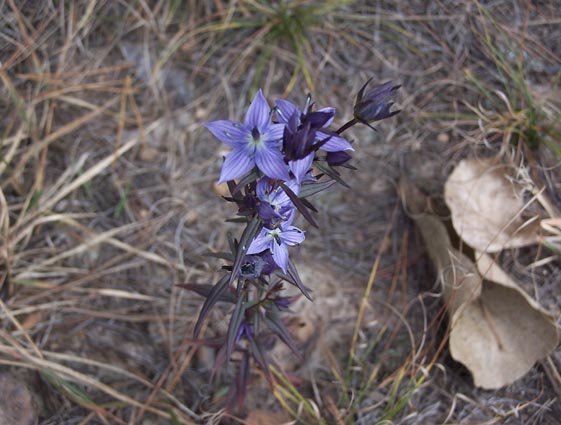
(267, 213)
(262, 188)
(300, 167)
(281, 198)
(274, 132)
(335, 144)
(329, 110)
(294, 186)
(280, 255)
(292, 236)
(290, 217)
(261, 242)
(237, 163)
(258, 114)
(271, 162)
(229, 132)
(286, 110)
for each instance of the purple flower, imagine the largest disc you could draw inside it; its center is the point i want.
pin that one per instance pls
(277, 241)
(256, 142)
(334, 143)
(275, 204)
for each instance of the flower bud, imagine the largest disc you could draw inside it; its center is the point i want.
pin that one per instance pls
(337, 158)
(375, 104)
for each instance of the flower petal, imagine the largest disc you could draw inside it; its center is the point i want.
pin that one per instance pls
(261, 242)
(271, 162)
(329, 110)
(273, 133)
(292, 236)
(229, 132)
(286, 109)
(259, 112)
(334, 144)
(237, 163)
(280, 255)
(262, 189)
(280, 197)
(300, 167)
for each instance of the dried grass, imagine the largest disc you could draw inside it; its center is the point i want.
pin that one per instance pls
(107, 201)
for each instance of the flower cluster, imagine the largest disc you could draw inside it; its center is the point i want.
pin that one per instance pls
(281, 153)
(280, 156)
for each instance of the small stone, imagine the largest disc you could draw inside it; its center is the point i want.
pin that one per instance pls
(443, 138)
(191, 217)
(201, 113)
(16, 404)
(148, 153)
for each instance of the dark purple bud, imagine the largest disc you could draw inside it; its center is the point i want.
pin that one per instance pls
(243, 331)
(247, 205)
(375, 104)
(283, 302)
(298, 139)
(300, 134)
(338, 158)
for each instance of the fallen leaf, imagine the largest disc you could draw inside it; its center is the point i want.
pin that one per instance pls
(496, 330)
(500, 336)
(461, 282)
(486, 205)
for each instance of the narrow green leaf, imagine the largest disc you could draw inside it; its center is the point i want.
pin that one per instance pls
(213, 297)
(308, 190)
(249, 233)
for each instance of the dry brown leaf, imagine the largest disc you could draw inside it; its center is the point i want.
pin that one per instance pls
(496, 330)
(486, 207)
(500, 336)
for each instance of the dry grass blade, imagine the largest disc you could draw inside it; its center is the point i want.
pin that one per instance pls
(107, 203)
(384, 243)
(64, 130)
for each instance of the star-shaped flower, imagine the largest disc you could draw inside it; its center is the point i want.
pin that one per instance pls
(277, 241)
(275, 205)
(255, 142)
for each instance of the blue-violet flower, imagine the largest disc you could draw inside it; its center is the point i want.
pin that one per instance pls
(277, 240)
(256, 142)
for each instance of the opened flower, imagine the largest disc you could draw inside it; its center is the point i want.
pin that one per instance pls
(255, 142)
(277, 241)
(275, 204)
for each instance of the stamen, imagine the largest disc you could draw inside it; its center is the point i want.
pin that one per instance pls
(255, 133)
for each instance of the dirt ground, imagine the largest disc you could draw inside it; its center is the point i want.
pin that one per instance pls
(108, 201)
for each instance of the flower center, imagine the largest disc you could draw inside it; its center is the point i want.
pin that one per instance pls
(256, 140)
(274, 234)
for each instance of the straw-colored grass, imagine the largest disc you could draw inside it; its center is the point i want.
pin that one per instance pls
(107, 200)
